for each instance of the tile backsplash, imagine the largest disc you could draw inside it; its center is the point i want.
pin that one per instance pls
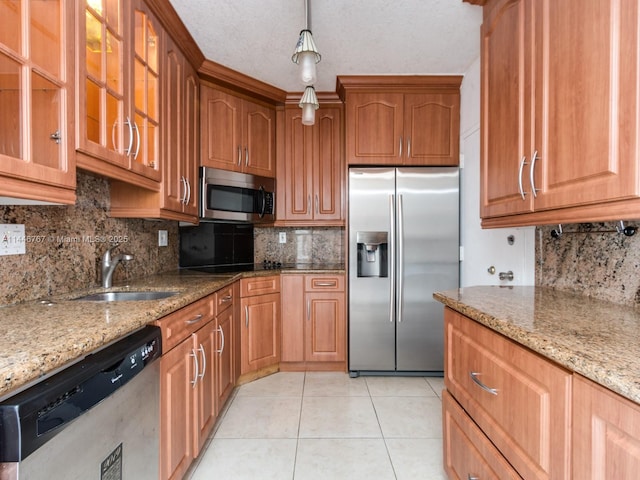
(64, 245)
(303, 245)
(601, 265)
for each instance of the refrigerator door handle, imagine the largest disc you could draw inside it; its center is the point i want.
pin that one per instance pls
(392, 250)
(400, 261)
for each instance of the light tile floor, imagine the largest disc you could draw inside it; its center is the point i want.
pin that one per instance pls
(325, 425)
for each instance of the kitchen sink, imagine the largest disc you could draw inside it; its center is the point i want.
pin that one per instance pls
(125, 296)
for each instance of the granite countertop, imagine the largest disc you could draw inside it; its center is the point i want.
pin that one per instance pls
(594, 338)
(39, 337)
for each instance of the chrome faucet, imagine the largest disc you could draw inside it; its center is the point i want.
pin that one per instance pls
(109, 264)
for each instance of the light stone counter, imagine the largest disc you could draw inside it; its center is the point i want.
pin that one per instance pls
(37, 339)
(595, 338)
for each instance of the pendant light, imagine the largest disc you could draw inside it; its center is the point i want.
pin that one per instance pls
(306, 54)
(309, 104)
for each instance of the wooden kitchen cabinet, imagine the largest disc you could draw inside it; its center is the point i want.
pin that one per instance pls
(313, 322)
(606, 433)
(401, 120)
(237, 133)
(36, 93)
(118, 101)
(519, 400)
(312, 169)
(225, 345)
(260, 323)
(559, 123)
(178, 195)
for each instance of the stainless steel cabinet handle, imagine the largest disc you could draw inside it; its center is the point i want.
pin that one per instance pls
(308, 309)
(392, 249)
(472, 477)
(400, 152)
(246, 156)
(309, 203)
(195, 319)
(399, 294)
(204, 361)
(239, 155)
(522, 164)
(474, 376)
(194, 354)
(325, 284)
(532, 180)
(246, 316)
(128, 124)
(226, 299)
(506, 275)
(135, 127)
(408, 148)
(317, 204)
(219, 329)
(188, 191)
(184, 191)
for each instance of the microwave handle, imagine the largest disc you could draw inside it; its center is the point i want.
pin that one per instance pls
(263, 195)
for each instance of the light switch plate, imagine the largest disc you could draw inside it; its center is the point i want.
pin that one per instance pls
(163, 238)
(282, 237)
(12, 239)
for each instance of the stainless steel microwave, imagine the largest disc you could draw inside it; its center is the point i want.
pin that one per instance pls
(236, 197)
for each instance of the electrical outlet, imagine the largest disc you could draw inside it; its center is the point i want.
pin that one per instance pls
(12, 239)
(163, 238)
(282, 237)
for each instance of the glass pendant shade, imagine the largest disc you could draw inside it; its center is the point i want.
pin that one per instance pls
(309, 104)
(306, 55)
(307, 68)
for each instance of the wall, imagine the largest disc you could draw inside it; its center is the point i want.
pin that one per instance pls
(601, 265)
(304, 245)
(64, 245)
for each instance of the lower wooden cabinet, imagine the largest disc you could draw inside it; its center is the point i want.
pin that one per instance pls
(225, 345)
(468, 453)
(519, 400)
(606, 433)
(313, 322)
(260, 323)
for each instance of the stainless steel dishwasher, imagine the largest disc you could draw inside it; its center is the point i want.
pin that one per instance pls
(97, 419)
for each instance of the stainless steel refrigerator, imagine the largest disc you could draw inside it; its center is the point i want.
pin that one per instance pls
(403, 246)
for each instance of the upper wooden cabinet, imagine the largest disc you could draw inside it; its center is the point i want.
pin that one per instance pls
(236, 133)
(36, 95)
(559, 111)
(118, 100)
(401, 120)
(311, 189)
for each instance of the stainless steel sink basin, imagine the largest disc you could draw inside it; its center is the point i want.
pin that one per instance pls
(125, 296)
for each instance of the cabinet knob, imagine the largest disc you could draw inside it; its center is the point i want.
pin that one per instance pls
(55, 136)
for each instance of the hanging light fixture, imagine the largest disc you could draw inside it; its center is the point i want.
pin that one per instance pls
(309, 104)
(306, 54)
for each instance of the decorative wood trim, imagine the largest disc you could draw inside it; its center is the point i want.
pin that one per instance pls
(114, 172)
(251, 376)
(313, 366)
(324, 98)
(239, 82)
(480, 3)
(397, 83)
(29, 192)
(177, 31)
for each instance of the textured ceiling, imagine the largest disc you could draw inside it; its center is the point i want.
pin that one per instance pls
(257, 37)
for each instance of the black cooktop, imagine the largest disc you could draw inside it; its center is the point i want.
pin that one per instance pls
(238, 267)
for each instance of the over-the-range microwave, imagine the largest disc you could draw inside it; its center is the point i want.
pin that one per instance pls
(236, 197)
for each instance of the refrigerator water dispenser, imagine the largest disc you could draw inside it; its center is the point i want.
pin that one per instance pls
(372, 254)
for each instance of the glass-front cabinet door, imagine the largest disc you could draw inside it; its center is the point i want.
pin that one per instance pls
(36, 92)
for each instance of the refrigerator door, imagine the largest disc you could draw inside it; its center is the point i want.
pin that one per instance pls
(427, 261)
(371, 302)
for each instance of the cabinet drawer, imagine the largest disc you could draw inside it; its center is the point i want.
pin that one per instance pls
(468, 453)
(259, 285)
(180, 324)
(519, 399)
(324, 283)
(223, 299)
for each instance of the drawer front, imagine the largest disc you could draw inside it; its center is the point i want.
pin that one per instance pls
(259, 285)
(468, 453)
(223, 299)
(180, 324)
(324, 283)
(520, 400)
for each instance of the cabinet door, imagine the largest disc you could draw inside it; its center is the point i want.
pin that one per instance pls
(173, 184)
(431, 129)
(102, 96)
(328, 168)
(298, 175)
(224, 357)
(191, 138)
(586, 102)
(176, 410)
(606, 433)
(145, 113)
(36, 94)
(293, 318)
(260, 332)
(325, 338)
(259, 128)
(221, 130)
(374, 128)
(506, 104)
(205, 392)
